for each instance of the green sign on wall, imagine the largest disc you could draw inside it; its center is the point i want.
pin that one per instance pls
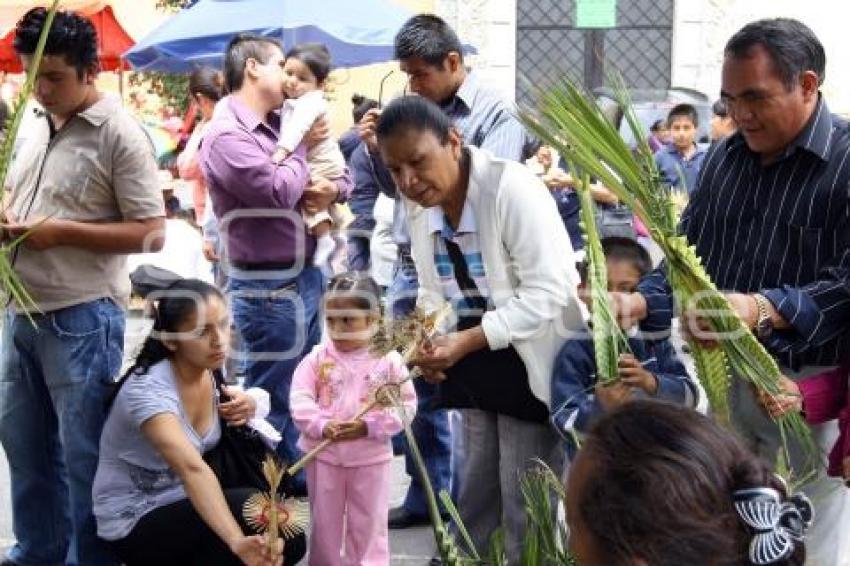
(596, 13)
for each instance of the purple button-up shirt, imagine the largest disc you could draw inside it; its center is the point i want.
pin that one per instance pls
(255, 199)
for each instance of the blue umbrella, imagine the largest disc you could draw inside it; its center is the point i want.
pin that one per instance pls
(357, 32)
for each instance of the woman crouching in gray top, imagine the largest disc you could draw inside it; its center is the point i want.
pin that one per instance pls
(155, 499)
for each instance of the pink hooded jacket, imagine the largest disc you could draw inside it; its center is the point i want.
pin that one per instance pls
(332, 385)
(826, 396)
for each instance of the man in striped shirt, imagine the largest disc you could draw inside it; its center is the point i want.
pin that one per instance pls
(770, 219)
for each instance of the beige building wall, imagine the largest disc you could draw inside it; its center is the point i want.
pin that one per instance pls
(489, 26)
(702, 28)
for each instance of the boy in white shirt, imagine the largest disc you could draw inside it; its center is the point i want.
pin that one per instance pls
(306, 68)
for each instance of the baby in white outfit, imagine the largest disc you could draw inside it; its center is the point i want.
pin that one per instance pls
(306, 68)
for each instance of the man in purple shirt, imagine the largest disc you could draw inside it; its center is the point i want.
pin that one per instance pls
(274, 289)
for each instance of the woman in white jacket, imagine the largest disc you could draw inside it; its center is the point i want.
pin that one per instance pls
(486, 236)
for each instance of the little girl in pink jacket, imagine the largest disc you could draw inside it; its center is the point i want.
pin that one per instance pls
(349, 482)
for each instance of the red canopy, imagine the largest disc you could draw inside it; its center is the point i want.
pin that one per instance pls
(112, 41)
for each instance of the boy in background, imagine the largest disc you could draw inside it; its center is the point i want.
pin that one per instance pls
(680, 161)
(652, 370)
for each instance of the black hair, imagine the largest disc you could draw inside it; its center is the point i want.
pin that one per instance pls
(661, 488)
(357, 285)
(242, 47)
(429, 37)
(792, 46)
(581, 267)
(207, 81)
(315, 56)
(719, 108)
(172, 206)
(658, 125)
(361, 104)
(683, 110)
(413, 113)
(620, 248)
(72, 36)
(174, 305)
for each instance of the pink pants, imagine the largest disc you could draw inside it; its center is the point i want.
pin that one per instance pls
(352, 503)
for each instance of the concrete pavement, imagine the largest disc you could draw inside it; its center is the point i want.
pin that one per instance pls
(410, 547)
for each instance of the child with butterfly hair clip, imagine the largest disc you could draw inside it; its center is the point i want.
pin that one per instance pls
(349, 481)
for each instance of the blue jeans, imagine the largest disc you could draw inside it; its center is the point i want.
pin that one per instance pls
(359, 254)
(278, 321)
(401, 294)
(568, 209)
(55, 377)
(430, 426)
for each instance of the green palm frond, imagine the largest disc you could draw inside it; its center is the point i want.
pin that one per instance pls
(11, 286)
(545, 535)
(572, 122)
(713, 372)
(450, 552)
(497, 555)
(710, 363)
(608, 338)
(14, 121)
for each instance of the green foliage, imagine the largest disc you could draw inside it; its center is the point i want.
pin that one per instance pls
(545, 536)
(608, 338)
(173, 89)
(570, 120)
(172, 4)
(449, 551)
(449, 505)
(497, 549)
(546, 539)
(711, 367)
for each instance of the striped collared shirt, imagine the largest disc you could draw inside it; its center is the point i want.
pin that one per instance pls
(485, 120)
(781, 229)
(466, 238)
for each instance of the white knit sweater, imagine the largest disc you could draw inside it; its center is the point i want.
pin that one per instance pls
(528, 261)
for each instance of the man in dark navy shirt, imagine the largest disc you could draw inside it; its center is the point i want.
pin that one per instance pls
(770, 218)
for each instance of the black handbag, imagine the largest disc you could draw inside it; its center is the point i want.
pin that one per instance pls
(615, 220)
(237, 459)
(490, 380)
(147, 279)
